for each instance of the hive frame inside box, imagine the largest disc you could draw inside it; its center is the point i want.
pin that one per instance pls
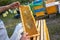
(42, 29)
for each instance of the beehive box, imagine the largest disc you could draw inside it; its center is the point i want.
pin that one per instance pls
(51, 7)
(51, 10)
(38, 8)
(28, 21)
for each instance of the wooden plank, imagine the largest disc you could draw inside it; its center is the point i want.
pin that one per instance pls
(46, 33)
(39, 29)
(28, 21)
(42, 30)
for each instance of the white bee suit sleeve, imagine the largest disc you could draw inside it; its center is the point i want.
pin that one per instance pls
(17, 32)
(3, 32)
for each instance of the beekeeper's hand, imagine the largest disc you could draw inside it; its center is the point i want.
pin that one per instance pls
(15, 5)
(25, 37)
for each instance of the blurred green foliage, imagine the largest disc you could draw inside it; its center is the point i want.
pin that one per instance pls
(6, 2)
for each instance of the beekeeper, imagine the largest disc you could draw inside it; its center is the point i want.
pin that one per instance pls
(18, 32)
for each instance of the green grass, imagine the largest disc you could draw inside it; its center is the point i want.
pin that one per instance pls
(10, 23)
(54, 27)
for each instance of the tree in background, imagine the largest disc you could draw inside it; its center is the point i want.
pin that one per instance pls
(6, 2)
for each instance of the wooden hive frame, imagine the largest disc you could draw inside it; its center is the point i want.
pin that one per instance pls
(28, 21)
(42, 29)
